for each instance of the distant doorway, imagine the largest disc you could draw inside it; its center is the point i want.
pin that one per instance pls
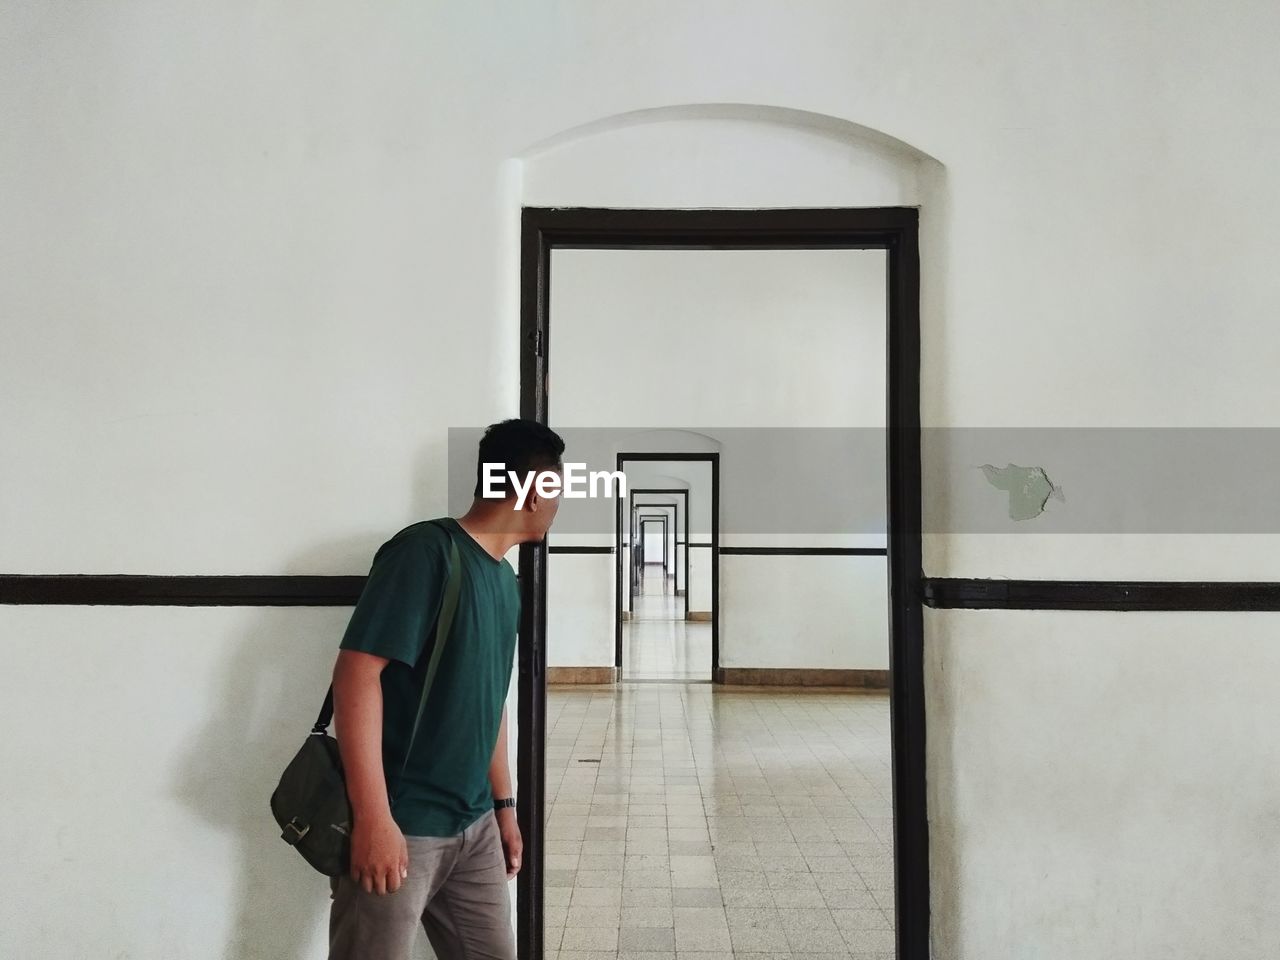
(666, 627)
(656, 637)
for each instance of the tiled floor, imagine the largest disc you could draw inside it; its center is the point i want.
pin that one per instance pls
(690, 822)
(658, 643)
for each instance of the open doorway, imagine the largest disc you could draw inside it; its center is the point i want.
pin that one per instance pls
(697, 837)
(671, 503)
(665, 622)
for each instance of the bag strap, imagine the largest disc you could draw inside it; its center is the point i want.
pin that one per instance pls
(444, 621)
(443, 625)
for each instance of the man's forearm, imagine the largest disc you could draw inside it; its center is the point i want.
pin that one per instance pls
(499, 766)
(500, 780)
(357, 703)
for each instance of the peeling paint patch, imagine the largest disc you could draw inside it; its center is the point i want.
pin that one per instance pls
(1029, 489)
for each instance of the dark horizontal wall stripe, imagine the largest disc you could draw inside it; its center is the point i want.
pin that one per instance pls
(566, 548)
(341, 591)
(131, 590)
(972, 594)
(803, 551)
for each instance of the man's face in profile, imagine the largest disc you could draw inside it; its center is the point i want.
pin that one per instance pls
(549, 504)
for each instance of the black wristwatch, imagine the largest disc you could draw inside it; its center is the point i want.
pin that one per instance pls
(504, 803)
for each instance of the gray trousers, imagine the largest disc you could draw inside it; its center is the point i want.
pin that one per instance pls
(456, 889)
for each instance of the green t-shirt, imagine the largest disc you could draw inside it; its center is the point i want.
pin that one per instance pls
(446, 782)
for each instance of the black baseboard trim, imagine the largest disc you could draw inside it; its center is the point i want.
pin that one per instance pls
(943, 593)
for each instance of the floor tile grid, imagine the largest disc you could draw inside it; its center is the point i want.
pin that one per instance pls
(658, 643)
(725, 823)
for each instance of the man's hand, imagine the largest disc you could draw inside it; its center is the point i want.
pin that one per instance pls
(512, 842)
(500, 780)
(379, 855)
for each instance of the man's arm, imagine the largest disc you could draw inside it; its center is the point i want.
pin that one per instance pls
(500, 780)
(379, 854)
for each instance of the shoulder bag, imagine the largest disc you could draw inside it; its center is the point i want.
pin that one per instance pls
(310, 803)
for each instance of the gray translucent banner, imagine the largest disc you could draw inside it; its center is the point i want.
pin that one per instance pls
(824, 483)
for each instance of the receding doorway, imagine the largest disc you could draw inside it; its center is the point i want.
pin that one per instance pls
(895, 232)
(664, 616)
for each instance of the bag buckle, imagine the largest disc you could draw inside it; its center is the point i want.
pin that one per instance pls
(299, 832)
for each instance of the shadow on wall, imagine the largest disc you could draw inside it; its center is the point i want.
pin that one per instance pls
(271, 693)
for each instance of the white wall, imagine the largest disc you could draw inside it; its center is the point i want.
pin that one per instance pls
(257, 260)
(1132, 812)
(700, 580)
(743, 338)
(141, 749)
(580, 590)
(816, 612)
(747, 340)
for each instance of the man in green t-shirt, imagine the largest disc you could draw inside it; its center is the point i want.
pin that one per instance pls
(434, 838)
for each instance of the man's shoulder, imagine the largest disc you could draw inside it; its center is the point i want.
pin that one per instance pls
(429, 535)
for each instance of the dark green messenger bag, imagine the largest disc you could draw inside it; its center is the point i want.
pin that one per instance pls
(310, 803)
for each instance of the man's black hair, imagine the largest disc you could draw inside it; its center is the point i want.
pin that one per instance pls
(521, 445)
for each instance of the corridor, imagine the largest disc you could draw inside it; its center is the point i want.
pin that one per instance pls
(691, 821)
(657, 643)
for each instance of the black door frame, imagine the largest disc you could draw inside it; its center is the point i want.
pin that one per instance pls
(712, 458)
(679, 507)
(893, 229)
(662, 522)
(668, 556)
